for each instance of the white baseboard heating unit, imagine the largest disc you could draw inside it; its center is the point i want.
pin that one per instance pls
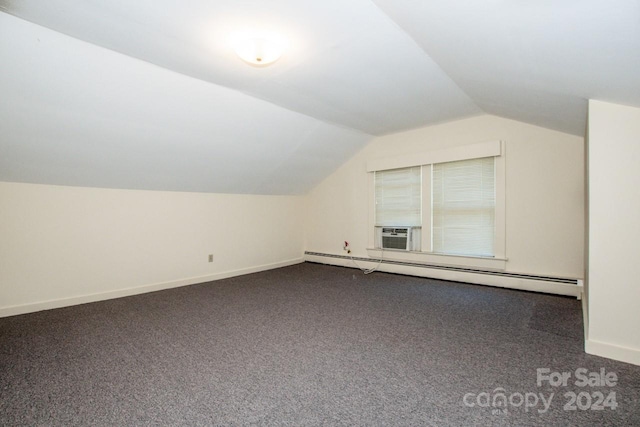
(528, 282)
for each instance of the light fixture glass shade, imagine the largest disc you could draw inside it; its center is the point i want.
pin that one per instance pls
(259, 51)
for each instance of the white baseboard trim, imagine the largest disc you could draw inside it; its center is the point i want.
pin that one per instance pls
(611, 351)
(519, 283)
(83, 299)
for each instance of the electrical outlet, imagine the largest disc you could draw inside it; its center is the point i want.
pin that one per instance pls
(210, 257)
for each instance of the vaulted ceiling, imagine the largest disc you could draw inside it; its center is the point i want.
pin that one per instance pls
(150, 94)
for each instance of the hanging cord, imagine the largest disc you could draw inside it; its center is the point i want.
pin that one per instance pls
(364, 270)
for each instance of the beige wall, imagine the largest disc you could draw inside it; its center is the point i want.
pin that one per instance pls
(65, 245)
(544, 193)
(614, 231)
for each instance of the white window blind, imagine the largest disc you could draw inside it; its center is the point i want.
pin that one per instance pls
(399, 196)
(463, 207)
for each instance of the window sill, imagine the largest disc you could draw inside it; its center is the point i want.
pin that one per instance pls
(494, 263)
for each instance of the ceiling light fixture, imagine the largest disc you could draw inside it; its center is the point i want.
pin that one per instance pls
(260, 50)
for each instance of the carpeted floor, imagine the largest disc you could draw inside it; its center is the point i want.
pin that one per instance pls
(308, 345)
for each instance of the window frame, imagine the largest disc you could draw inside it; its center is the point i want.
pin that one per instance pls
(494, 149)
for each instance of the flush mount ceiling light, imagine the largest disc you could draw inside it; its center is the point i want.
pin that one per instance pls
(260, 50)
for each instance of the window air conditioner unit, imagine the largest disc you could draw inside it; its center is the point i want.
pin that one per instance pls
(399, 238)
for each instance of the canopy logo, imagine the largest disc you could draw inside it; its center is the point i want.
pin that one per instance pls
(593, 399)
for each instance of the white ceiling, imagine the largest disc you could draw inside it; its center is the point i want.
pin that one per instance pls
(75, 112)
(534, 61)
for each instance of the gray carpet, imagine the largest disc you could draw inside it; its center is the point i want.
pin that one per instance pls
(303, 345)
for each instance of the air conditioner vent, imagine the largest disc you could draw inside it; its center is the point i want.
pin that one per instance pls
(399, 238)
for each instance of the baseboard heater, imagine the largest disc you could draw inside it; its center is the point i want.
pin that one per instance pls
(451, 268)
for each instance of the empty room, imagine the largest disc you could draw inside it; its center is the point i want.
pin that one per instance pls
(370, 212)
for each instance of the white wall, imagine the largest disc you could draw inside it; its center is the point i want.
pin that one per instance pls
(66, 245)
(614, 231)
(544, 193)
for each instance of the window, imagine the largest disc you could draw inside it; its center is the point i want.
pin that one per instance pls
(398, 197)
(463, 207)
(453, 197)
(462, 204)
